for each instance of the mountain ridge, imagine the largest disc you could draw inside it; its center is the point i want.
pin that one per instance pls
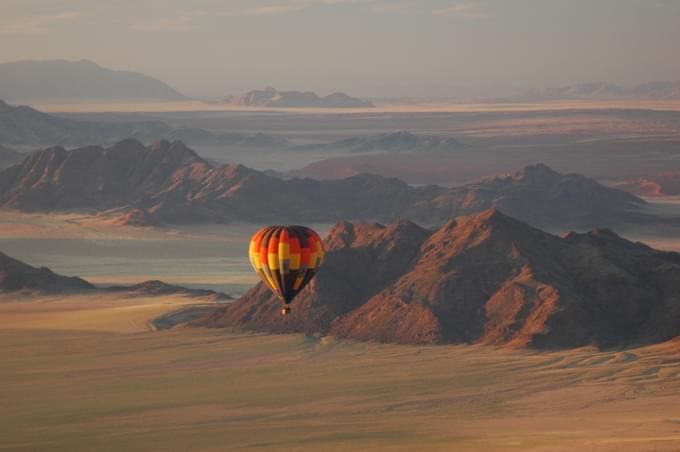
(484, 278)
(170, 183)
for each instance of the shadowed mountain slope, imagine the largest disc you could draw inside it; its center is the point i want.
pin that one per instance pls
(484, 278)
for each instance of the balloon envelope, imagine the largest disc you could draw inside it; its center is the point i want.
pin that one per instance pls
(286, 258)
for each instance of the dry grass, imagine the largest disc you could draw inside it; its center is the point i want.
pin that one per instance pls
(86, 374)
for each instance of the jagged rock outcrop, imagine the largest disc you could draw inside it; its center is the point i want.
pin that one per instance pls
(484, 278)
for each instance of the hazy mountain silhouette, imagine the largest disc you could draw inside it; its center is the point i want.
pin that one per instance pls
(271, 97)
(21, 125)
(79, 81)
(604, 91)
(485, 278)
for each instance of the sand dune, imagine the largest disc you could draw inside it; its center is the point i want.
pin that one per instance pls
(83, 374)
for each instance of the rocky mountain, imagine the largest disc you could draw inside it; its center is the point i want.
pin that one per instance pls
(59, 80)
(663, 184)
(25, 126)
(169, 183)
(485, 278)
(17, 276)
(604, 91)
(9, 157)
(271, 97)
(395, 142)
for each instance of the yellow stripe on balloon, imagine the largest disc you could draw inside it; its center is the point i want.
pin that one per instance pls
(273, 261)
(295, 261)
(284, 253)
(255, 260)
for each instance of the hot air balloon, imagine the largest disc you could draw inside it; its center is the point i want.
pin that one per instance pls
(286, 258)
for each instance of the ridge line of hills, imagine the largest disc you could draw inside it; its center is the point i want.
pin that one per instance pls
(169, 183)
(17, 276)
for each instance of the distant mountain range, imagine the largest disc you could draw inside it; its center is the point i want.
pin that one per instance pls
(168, 183)
(25, 126)
(271, 97)
(485, 278)
(394, 142)
(16, 276)
(60, 80)
(604, 91)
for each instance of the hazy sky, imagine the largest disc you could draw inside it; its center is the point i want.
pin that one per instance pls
(364, 47)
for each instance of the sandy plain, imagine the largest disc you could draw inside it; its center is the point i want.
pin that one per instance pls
(89, 373)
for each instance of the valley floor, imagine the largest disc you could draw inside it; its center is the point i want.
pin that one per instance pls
(84, 373)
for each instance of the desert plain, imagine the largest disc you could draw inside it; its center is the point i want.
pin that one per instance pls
(91, 372)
